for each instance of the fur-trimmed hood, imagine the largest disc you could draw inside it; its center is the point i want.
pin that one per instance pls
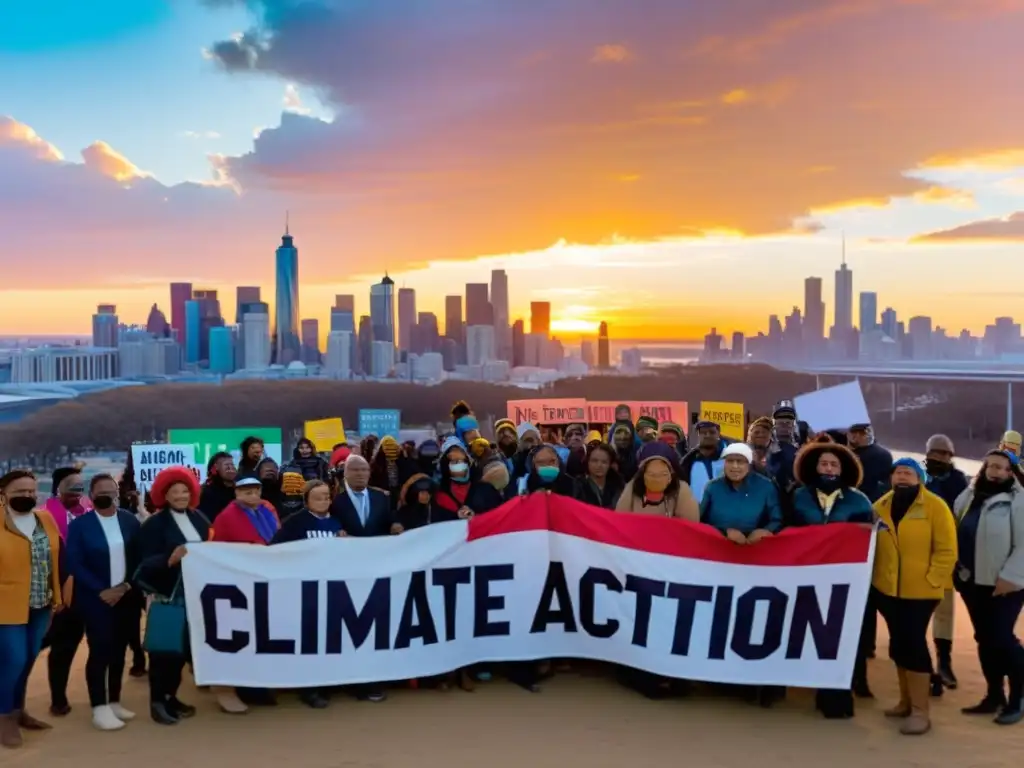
(409, 484)
(805, 465)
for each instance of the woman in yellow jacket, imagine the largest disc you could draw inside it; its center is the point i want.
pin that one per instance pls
(915, 554)
(29, 593)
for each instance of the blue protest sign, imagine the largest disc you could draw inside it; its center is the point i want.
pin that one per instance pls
(380, 422)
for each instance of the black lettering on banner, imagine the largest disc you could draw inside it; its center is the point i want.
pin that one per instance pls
(646, 590)
(825, 631)
(720, 623)
(742, 645)
(310, 630)
(449, 580)
(375, 615)
(686, 596)
(265, 644)
(484, 602)
(554, 586)
(235, 598)
(588, 600)
(417, 621)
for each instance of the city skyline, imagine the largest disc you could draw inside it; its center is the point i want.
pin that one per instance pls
(663, 172)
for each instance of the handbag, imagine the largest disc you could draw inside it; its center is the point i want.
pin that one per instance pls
(167, 624)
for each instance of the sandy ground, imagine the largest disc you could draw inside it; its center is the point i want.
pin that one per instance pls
(577, 720)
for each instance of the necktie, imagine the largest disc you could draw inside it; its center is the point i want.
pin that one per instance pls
(361, 497)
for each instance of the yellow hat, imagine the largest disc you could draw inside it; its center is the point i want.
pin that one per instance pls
(480, 446)
(292, 483)
(593, 436)
(1012, 437)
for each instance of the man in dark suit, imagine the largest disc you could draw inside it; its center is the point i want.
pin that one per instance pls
(363, 511)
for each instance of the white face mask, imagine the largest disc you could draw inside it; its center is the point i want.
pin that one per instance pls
(458, 468)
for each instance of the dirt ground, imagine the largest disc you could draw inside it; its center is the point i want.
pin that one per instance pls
(577, 720)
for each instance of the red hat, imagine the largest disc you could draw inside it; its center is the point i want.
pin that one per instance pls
(340, 455)
(165, 478)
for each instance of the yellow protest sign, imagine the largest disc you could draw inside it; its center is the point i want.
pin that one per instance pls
(729, 416)
(325, 433)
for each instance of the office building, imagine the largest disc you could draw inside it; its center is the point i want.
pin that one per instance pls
(180, 293)
(105, 330)
(245, 294)
(52, 365)
(152, 357)
(499, 310)
(364, 345)
(739, 346)
(533, 349)
(222, 350)
(813, 326)
(287, 344)
(478, 306)
(338, 360)
(712, 346)
(453, 327)
(427, 367)
(604, 360)
(311, 341)
(426, 336)
(209, 317)
(345, 302)
(382, 310)
(382, 358)
(587, 354)
(890, 325)
(540, 318)
(258, 346)
(406, 317)
(868, 311)
(342, 320)
(632, 361)
(193, 331)
(156, 323)
(479, 344)
(919, 336)
(844, 296)
(518, 344)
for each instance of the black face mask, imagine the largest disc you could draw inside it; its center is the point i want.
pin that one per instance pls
(905, 493)
(103, 502)
(828, 483)
(22, 504)
(937, 467)
(509, 449)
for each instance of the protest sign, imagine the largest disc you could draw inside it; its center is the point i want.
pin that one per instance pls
(148, 459)
(325, 433)
(380, 422)
(731, 417)
(542, 577)
(207, 442)
(603, 412)
(836, 407)
(565, 410)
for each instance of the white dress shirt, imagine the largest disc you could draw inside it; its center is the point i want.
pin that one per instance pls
(361, 501)
(115, 546)
(185, 526)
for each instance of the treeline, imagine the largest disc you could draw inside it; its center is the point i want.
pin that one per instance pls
(974, 415)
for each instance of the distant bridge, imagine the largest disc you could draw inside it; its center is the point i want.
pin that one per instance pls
(969, 372)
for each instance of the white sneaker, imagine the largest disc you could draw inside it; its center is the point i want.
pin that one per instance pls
(104, 719)
(120, 712)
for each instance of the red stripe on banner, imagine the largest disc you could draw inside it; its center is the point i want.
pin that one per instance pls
(834, 544)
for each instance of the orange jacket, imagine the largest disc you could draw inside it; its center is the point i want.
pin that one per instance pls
(16, 567)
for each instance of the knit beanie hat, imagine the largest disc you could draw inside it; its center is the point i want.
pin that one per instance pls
(593, 436)
(939, 443)
(504, 424)
(479, 447)
(647, 421)
(390, 447)
(525, 428)
(906, 461)
(671, 426)
(292, 484)
(763, 422)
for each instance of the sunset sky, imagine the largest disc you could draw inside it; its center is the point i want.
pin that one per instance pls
(666, 165)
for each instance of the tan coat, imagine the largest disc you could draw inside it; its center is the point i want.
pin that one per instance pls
(684, 505)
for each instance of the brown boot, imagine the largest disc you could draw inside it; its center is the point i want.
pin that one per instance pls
(902, 709)
(918, 722)
(10, 733)
(29, 723)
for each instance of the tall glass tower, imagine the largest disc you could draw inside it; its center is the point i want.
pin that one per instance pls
(382, 310)
(287, 346)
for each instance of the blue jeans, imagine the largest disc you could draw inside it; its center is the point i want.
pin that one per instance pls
(19, 647)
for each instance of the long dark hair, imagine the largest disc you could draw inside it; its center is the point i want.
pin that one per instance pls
(640, 490)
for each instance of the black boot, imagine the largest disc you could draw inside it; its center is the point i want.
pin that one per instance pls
(995, 698)
(936, 687)
(160, 714)
(944, 652)
(1013, 712)
(860, 678)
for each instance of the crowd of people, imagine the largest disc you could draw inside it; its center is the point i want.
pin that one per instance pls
(86, 561)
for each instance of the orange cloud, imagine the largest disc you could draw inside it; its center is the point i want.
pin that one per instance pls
(615, 54)
(958, 198)
(736, 96)
(989, 160)
(104, 159)
(13, 133)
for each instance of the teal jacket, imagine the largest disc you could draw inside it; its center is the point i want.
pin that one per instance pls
(851, 506)
(753, 504)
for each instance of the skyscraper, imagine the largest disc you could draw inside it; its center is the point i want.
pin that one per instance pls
(499, 307)
(343, 314)
(406, 317)
(814, 312)
(479, 344)
(540, 318)
(245, 294)
(478, 306)
(222, 351)
(364, 343)
(382, 310)
(890, 325)
(338, 360)
(311, 341)
(518, 344)
(603, 351)
(193, 331)
(105, 326)
(256, 334)
(453, 328)
(868, 311)
(345, 301)
(180, 293)
(287, 346)
(209, 317)
(844, 295)
(156, 323)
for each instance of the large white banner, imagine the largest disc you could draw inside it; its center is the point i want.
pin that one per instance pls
(349, 610)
